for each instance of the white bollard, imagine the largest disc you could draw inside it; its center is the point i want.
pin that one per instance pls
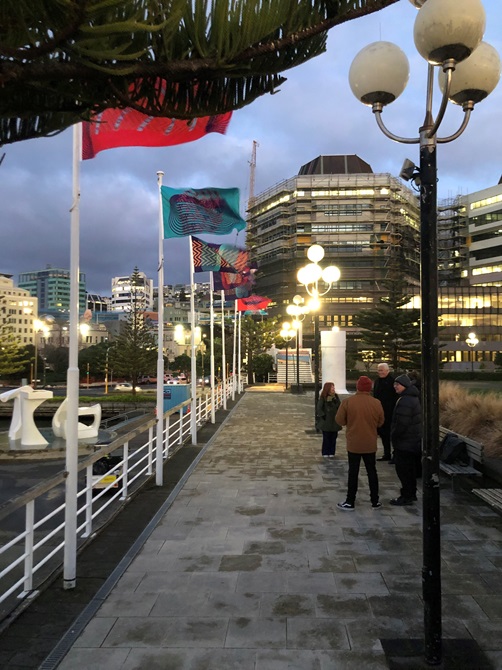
(333, 347)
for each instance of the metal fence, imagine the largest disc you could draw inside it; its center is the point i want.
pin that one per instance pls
(33, 523)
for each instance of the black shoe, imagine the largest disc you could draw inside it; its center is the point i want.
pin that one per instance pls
(384, 458)
(400, 502)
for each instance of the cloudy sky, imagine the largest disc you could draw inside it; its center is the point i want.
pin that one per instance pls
(314, 113)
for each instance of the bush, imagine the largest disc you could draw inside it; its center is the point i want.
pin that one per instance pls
(478, 416)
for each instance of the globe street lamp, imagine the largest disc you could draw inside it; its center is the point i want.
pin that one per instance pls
(287, 333)
(299, 312)
(472, 341)
(309, 275)
(448, 35)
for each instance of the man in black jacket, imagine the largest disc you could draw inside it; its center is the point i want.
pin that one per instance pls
(406, 436)
(383, 390)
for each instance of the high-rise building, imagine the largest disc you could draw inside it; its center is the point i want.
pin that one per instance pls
(52, 288)
(367, 223)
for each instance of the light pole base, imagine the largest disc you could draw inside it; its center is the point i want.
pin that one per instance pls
(296, 388)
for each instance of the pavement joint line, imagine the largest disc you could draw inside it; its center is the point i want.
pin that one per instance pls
(69, 638)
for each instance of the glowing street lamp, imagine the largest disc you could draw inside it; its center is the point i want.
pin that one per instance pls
(299, 311)
(287, 333)
(472, 342)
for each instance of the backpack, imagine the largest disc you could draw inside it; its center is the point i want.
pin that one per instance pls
(453, 449)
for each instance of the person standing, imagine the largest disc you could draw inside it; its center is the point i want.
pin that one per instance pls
(363, 415)
(384, 391)
(406, 436)
(327, 407)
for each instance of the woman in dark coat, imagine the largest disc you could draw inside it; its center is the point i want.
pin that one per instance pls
(406, 436)
(327, 407)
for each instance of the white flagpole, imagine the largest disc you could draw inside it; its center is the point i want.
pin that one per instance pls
(241, 386)
(234, 353)
(159, 447)
(211, 328)
(223, 357)
(193, 368)
(72, 383)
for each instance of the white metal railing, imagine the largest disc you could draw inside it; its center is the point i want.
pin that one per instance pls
(28, 556)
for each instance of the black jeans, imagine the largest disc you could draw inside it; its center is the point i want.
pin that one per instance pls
(329, 442)
(370, 465)
(406, 470)
(384, 434)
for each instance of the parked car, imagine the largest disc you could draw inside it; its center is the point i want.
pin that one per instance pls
(125, 387)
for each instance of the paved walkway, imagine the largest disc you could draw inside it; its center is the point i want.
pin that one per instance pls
(253, 567)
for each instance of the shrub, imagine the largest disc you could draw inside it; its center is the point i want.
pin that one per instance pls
(473, 415)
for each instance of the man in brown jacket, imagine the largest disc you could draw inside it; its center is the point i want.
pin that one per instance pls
(363, 415)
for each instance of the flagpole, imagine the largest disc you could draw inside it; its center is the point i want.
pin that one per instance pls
(239, 355)
(193, 367)
(211, 327)
(159, 444)
(223, 357)
(72, 383)
(234, 354)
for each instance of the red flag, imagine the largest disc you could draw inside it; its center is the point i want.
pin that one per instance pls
(128, 128)
(253, 303)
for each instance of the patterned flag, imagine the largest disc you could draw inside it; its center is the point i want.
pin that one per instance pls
(235, 285)
(200, 210)
(128, 128)
(252, 304)
(209, 257)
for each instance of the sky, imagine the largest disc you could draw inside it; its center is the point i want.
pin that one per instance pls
(313, 113)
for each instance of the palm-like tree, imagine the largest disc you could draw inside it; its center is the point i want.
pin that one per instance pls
(62, 61)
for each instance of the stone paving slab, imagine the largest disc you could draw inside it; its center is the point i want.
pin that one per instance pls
(254, 567)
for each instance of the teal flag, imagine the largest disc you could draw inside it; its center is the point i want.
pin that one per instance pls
(203, 210)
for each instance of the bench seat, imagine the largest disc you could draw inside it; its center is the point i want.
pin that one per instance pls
(475, 452)
(492, 496)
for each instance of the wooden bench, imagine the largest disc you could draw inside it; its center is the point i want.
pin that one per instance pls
(492, 496)
(475, 453)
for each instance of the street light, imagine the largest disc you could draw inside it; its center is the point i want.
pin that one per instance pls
(447, 34)
(299, 312)
(287, 333)
(39, 327)
(472, 341)
(309, 275)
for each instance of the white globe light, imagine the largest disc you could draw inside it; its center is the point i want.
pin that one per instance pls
(417, 3)
(292, 310)
(475, 77)
(314, 304)
(379, 73)
(331, 274)
(286, 325)
(309, 274)
(447, 29)
(315, 253)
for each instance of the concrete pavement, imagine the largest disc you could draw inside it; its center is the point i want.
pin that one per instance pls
(251, 566)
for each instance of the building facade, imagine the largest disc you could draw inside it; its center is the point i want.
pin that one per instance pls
(19, 309)
(52, 288)
(367, 223)
(122, 294)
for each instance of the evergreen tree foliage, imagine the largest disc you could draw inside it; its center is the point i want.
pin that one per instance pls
(61, 61)
(135, 349)
(256, 338)
(13, 357)
(389, 331)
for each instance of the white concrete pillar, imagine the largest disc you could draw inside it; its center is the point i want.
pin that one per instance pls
(333, 346)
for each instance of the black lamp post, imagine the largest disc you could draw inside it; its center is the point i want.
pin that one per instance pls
(299, 312)
(445, 37)
(287, 333)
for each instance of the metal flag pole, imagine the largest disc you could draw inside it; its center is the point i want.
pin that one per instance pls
(159, 446)
(72, 383)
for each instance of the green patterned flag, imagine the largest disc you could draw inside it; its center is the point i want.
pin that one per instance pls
(205, 210)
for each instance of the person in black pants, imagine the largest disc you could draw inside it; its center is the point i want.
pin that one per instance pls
(383, 390)
(406, 436)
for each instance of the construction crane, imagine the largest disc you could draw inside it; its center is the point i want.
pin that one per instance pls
(252, 172)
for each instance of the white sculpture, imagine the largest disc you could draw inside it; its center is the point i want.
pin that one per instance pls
(84, 431)
(22, 425)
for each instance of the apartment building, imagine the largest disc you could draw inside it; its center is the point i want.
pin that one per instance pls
(52, 288)
(20, 309)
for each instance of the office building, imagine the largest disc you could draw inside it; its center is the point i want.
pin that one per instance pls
(52, 288)
(19, 309)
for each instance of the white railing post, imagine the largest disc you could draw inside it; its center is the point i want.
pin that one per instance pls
(125, 468)
(150, 451)
(88, 501)
(166, 439)
(28, 547)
